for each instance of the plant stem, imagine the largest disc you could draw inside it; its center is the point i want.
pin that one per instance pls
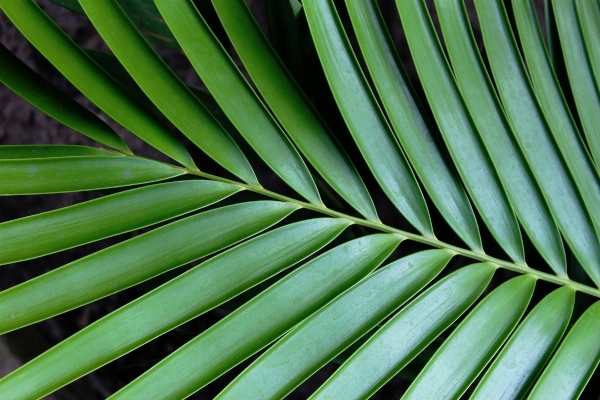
(431, 241)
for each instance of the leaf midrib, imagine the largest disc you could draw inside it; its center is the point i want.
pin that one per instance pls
(380, 226)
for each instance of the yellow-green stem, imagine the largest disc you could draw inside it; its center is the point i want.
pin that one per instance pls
(431, 241)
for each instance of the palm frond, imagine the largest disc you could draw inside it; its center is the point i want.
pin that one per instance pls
(501, 145)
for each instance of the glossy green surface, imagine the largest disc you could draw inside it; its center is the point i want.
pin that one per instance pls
(588, 13)
(531, 131)
(25, 82)
(584, 87)
(488, 115)
(235, 96)
(411, 128)
(261, 320)
(291, 107)
(72, 174)
(164, 88)
(406, 334)
(202, 288)
(556, 110)
(524, 356)
(90, 79)
(15, 152)
(318, 339)
(113, 67)
(363, 115)
(552, 102)
(461, 137)
(574, 362)
(144, 15)
(465, 353)
(135, 260)
(68, 227)
(337, 310)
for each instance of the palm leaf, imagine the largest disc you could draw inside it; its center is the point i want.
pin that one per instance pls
(500, 137)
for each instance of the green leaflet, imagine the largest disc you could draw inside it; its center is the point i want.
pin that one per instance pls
(340, 305)
(109, 63)
(495, 132)
(585, 90)
(134, 261)
(113, 67)
(147, 19)
(474, 342)
(556, 110)
(71, 174)
(291, 107)
(408, 372)
(318, 339)
(588, 13)
(553, 104)
(519, 363)
(531, 130)
(48, 98)
(406, 334)
(90, 79)
(363, 116)
(245, 110)
(143, 14)
(23, 151)
(574, 362)
(93, 220)
(262, 320)
(202, 288)
(409, 125)
(458, 130)
(164, 88)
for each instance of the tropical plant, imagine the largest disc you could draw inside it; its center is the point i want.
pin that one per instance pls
(497, 134)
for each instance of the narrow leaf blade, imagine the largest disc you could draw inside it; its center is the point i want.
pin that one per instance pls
(318, 339)
(461, 137)
(291, 106)
(555, 109)
(524, 356)
(143, 14)
(49, 99)
(409, 125)
(244, 109)
(262, 320)
(588, 13)
(23, 151)
(406, 334)
(70, 174)
(474, 342)
(134, 261)
(574, 362)
(363, 116)
(164, 88)
(68, 227)
(495, 132)
(581, 76)
(531, 130)
(196, 291)
(90, 79)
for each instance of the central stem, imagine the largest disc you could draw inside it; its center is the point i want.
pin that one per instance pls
(431, 241)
